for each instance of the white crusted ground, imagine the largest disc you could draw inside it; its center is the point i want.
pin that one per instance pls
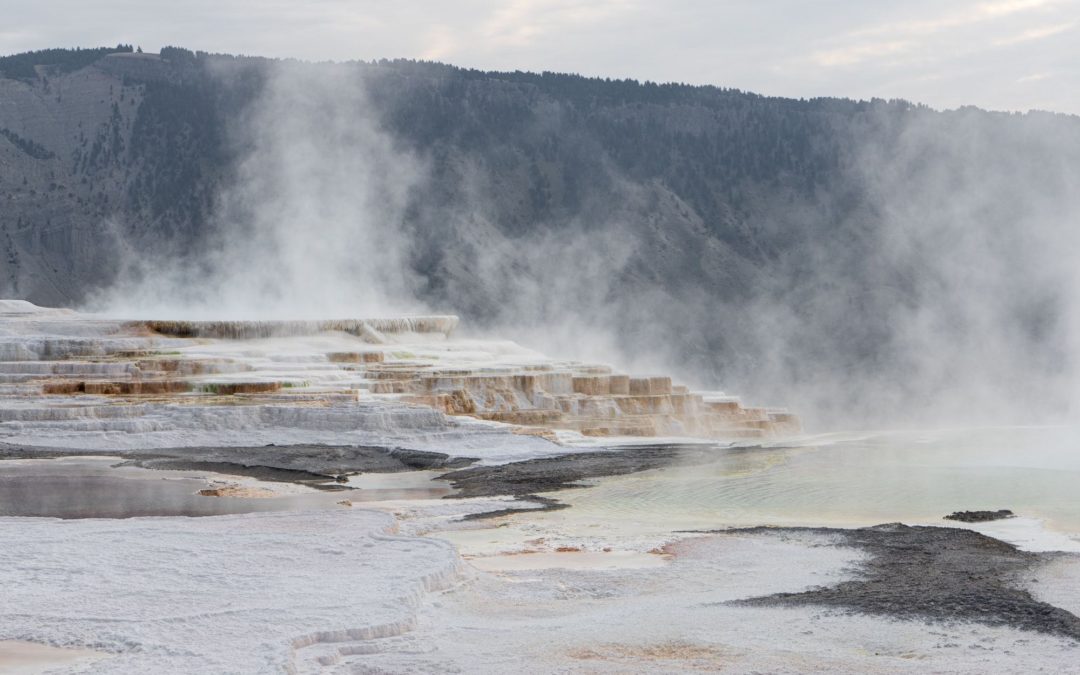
(235, 594)
(674, 619)
(331, 592)
(293, 390)
(177, 426)
(324, 403)
(334, 591)
(36, 339)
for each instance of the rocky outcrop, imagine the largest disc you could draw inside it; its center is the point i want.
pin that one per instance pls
(979, 516)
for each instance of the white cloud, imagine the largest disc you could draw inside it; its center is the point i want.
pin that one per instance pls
(521, 22)
(943, 54)
(1035, 34)
(848, 56)
(440, 42)
(956, 19)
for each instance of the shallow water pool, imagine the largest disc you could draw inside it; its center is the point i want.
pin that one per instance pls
(97, 487)
(844, 481)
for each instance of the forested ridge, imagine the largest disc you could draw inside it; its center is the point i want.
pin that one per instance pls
(782, 238)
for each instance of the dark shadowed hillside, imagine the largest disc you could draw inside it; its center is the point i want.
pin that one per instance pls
(857, 260)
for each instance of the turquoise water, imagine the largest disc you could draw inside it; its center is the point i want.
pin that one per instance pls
(850, 481)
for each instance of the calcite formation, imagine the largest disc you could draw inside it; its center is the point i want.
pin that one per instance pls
(61, 367)
(585, 398)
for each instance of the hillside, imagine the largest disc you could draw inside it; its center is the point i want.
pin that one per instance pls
(818, 252)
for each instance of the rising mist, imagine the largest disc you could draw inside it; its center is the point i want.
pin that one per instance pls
(309, 223)
(900, 266)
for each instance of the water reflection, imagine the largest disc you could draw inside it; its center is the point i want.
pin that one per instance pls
(98, 488)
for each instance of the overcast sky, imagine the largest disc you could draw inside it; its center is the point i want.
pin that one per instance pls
(1000, 54)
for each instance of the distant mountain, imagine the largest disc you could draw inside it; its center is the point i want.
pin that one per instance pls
(868, 258)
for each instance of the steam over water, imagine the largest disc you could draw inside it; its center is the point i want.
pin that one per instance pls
(929, 280)
(926, 276)
(912, 477)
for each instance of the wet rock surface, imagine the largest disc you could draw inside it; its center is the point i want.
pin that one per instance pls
(566, 471)
(315, 465)
(287, 463)
(979, 516)
(935, 573)
(318, 463)
(525, 479)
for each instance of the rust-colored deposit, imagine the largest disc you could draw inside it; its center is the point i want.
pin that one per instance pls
(534, 398)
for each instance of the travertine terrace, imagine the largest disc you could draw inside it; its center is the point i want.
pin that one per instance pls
(67, 373)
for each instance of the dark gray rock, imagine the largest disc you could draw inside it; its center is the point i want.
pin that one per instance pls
(567, 471)
(936, 573)
(276, 462)
(979, 516)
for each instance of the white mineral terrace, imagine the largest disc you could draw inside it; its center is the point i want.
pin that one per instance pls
(75, 380)
(330, 585)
